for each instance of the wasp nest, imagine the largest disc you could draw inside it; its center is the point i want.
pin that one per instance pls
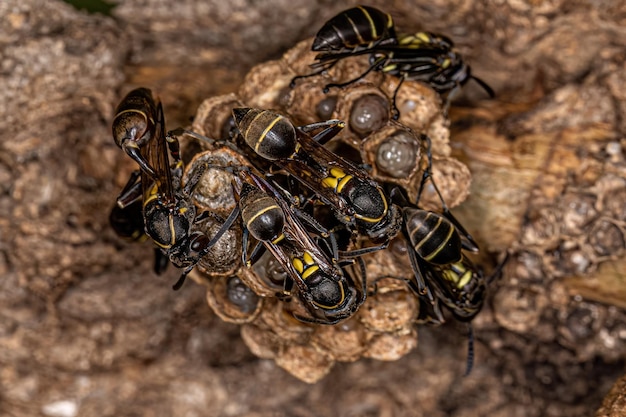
(395, 152)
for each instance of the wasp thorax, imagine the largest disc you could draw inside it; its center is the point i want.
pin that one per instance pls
(369, 113)
(166, 227)
(396, 155)
(271, 135)
(325, 292)
(368, 202)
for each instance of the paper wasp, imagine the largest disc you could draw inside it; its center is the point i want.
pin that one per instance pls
(357, 201)
(351, 31)
(423, 56)
(442, 275)
(169, 215)
(314, 265)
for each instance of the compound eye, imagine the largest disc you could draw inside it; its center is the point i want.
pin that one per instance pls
(199, 242)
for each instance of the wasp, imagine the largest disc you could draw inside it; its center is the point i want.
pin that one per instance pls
(350, 33)
(269, 215)
(442, 272)
(443, 275)
(424, 56)
(357, 201)
(169, 216)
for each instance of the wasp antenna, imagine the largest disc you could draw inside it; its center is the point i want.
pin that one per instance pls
(485, 86)
(178, 285)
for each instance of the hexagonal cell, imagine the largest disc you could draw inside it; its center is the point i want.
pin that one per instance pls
(266, 277)
(265, 84)
(224, 257)
(307, 103)
(304, 362)
(389, 311)
(364, 108)
(232, 300)
(453, 181)
(417, 103)
(390, 346)
(394, 154)
(214, 191)
(344, 342)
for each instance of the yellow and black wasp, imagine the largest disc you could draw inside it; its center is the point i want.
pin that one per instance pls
(423, 56)
(357, 201)
(314, 265)
(443, 276)
(350, 33)
(169, 216)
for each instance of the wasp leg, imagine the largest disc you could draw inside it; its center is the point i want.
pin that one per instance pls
(375, 66)
(323, 69)
(131, 192)
(161, 261)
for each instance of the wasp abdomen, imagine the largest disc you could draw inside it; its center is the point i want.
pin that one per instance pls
(133, 123)
(269, 134)
(359, 26)
(434, 237)
(263, 218)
